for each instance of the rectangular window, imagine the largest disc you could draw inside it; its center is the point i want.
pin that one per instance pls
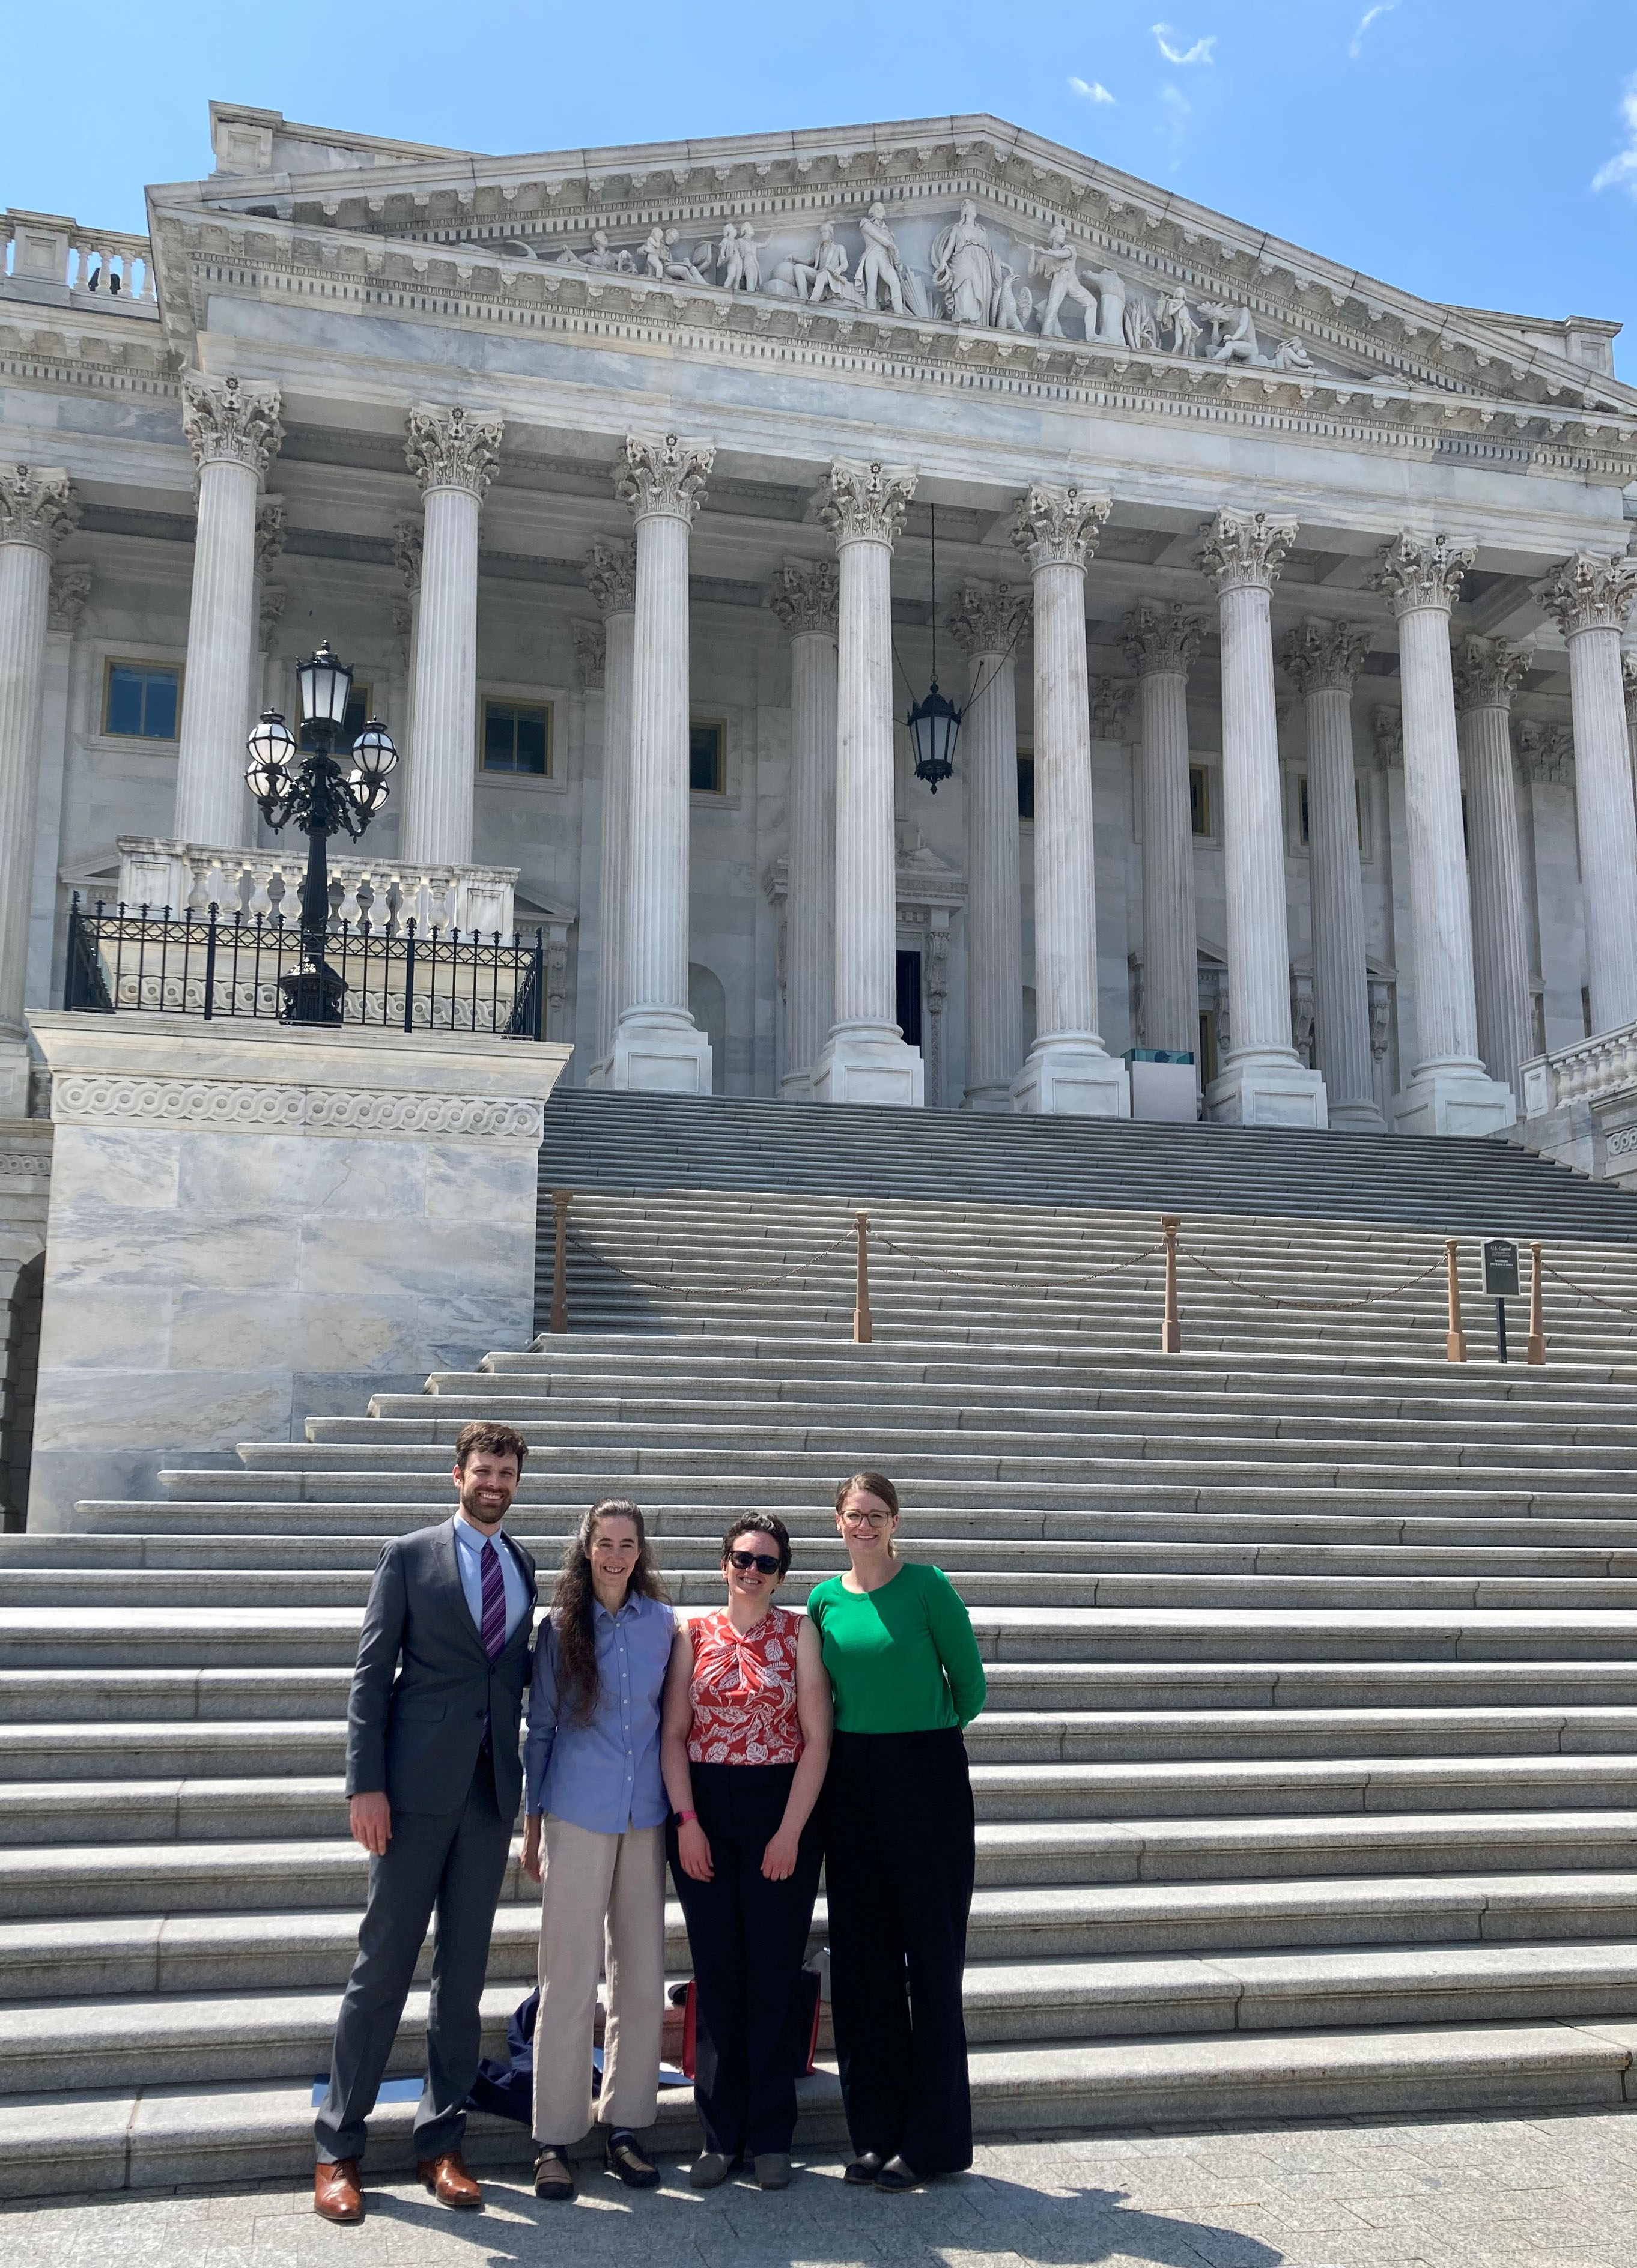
(707, 758)
(517, 738)
(142, 701)
(1026, 787)
(1199, 798)
(359, 712)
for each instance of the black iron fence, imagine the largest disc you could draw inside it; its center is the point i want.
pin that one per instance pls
(252, 965)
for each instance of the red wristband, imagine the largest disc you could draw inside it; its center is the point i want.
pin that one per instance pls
(683, 1817)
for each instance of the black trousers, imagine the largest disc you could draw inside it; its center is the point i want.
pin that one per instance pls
(454, 1862)
(898, 1867)
(748, 1938)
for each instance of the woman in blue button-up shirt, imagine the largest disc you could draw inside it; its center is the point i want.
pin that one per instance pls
(593, 1836)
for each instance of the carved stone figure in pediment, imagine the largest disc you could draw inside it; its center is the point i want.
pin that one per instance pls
(1140, 331)
(1017, 301)
(1292, 355)
(739, 259)
(881, 267)
(966, 271)
(1110, 286)
(1176, 316)
(825, 275)
(1233, 334)
(600, 258)
(1056, 262)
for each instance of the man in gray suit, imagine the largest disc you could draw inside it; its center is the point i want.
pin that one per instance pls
(434, 1780)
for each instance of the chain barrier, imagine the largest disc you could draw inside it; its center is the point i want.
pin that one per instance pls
(1316, 1306)
(957, 1276)
(1586, 1292)
(671, 1283)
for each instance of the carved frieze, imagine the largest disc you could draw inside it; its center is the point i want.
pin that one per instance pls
(253, 1107)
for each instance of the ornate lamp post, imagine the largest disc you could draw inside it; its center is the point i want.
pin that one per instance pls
(323, 800)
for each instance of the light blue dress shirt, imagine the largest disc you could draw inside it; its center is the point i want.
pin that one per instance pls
(469, 1558)
(603, 1772)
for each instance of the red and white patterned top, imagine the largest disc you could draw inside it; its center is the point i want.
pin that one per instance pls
(743, 1690)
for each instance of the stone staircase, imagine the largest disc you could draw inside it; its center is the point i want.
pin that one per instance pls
(1307, 1783)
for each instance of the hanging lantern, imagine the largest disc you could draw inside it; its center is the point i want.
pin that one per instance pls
(326, 688)
(935, 721)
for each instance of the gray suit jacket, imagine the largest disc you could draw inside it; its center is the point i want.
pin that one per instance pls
(424, 1684)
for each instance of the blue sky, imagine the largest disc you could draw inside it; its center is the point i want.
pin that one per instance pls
(1483, 152)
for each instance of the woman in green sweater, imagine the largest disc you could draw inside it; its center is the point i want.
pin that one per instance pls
(898, 1844)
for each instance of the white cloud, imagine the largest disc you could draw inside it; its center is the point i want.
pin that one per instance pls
(1621, 172)
(1178, 111)
(1380, 8)
(1203, 51)
(1092, 89)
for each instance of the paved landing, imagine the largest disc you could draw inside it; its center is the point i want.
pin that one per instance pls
(1542, 2192)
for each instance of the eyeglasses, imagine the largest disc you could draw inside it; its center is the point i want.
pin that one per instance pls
(746, 1560)
(866, 1518)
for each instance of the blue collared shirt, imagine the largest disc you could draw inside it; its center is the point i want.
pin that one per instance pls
(469, 1558)
(603, 1772)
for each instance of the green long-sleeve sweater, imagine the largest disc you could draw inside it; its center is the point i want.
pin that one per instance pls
(902, 1659)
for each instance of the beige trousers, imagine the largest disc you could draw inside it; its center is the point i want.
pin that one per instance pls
(602, 1909)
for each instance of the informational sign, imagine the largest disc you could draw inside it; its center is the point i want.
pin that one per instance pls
(1499, 1268)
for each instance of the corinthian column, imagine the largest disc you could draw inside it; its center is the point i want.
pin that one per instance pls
(37, 510)
(657, 1047)
(987, 623)
(1449, 1091)
(1161, 643)
(866, 1058)
(233, 430)
(1324, 659)
(1590, 598)
(804, 594)
(1264, 1082)
(1069, 1070)
(1487, 676)
(452, 457)
(609, 571)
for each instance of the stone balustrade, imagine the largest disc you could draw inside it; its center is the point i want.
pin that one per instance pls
(1580, 1105)
(50, 255)
(156, 871)
(1590, 1071)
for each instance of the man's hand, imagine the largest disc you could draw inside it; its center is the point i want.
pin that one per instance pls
(371, 1822)
(531, 1847)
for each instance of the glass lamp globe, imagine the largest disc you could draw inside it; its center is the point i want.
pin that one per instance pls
(270, 747)
(375, 753)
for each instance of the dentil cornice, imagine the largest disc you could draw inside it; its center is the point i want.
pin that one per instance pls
(1413, 574)
(1244, 550)
(609, 571)
(450, 449)
(1591, 592)
(37, 507)
(1059, 527)
(229, 422)
(662, 475)
(1488, 673)
(864, 503)
(804, 595)
(988, 617)
(1154, 636)
(1323, 657)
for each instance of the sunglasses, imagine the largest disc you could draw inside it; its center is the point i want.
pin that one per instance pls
(746, 1560)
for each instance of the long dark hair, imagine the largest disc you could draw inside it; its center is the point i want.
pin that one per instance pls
(578, 1686)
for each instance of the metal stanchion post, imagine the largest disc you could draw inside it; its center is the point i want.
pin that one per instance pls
(1536, 1350)
(1455, 1344)
(863, 1330)
(1171, 1330)
(561, 1199)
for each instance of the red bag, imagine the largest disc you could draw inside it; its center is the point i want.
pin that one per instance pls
(807, 2036)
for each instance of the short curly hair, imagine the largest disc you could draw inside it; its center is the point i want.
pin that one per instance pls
(484, 1438)
(761, 1523)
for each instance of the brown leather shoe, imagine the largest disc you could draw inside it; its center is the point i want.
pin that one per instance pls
(447, 2179)
(337, 2195)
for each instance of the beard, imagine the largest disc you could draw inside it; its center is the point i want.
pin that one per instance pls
(473, 1505)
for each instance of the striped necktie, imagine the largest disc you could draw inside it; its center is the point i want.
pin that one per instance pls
(494, 1600)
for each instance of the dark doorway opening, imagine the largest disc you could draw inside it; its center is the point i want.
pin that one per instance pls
(910, 998)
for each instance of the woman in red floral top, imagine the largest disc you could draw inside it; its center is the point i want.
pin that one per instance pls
(745, 1744)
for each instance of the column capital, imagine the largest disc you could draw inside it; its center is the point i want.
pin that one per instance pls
(590, 653)
(1590, 591)
(662, 477)
(451, 449)
(805, 596)
(1413, 574)
(37, 508)
(864, 503)
(270, 532)
(409, 538)
(1155, 636)
(1244, 550)
(70, 588)
(1387, 734)
(229, 422)
(988, 617)
(1323, 657)
(1109, 704)
(608, 571)
(1546, 752)
(269, 615)
(1487, 672)
(1059, 527)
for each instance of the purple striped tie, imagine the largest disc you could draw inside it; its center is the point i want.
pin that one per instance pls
(494, 1600)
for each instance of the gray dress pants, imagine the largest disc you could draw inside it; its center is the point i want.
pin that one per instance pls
(454, 1862)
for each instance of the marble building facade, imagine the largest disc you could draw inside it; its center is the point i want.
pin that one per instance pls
(1288, 610)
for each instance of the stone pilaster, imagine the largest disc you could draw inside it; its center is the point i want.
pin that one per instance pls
(805, 596)
(1069, 1070)
(1487, 675)
(452, 456)
(1324, 659)
(233, 429)
(1262, 1082)
(1163, 643)
(866, 1058)
(1590, 599)
(1449, 1091)
(987, 622)
(609, 571)
(37, 510)
(657, 1046)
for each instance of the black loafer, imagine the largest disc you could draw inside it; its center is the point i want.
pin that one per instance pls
(554, 2176)
(896, 2175)
(627, 2160)
(864, 2170)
